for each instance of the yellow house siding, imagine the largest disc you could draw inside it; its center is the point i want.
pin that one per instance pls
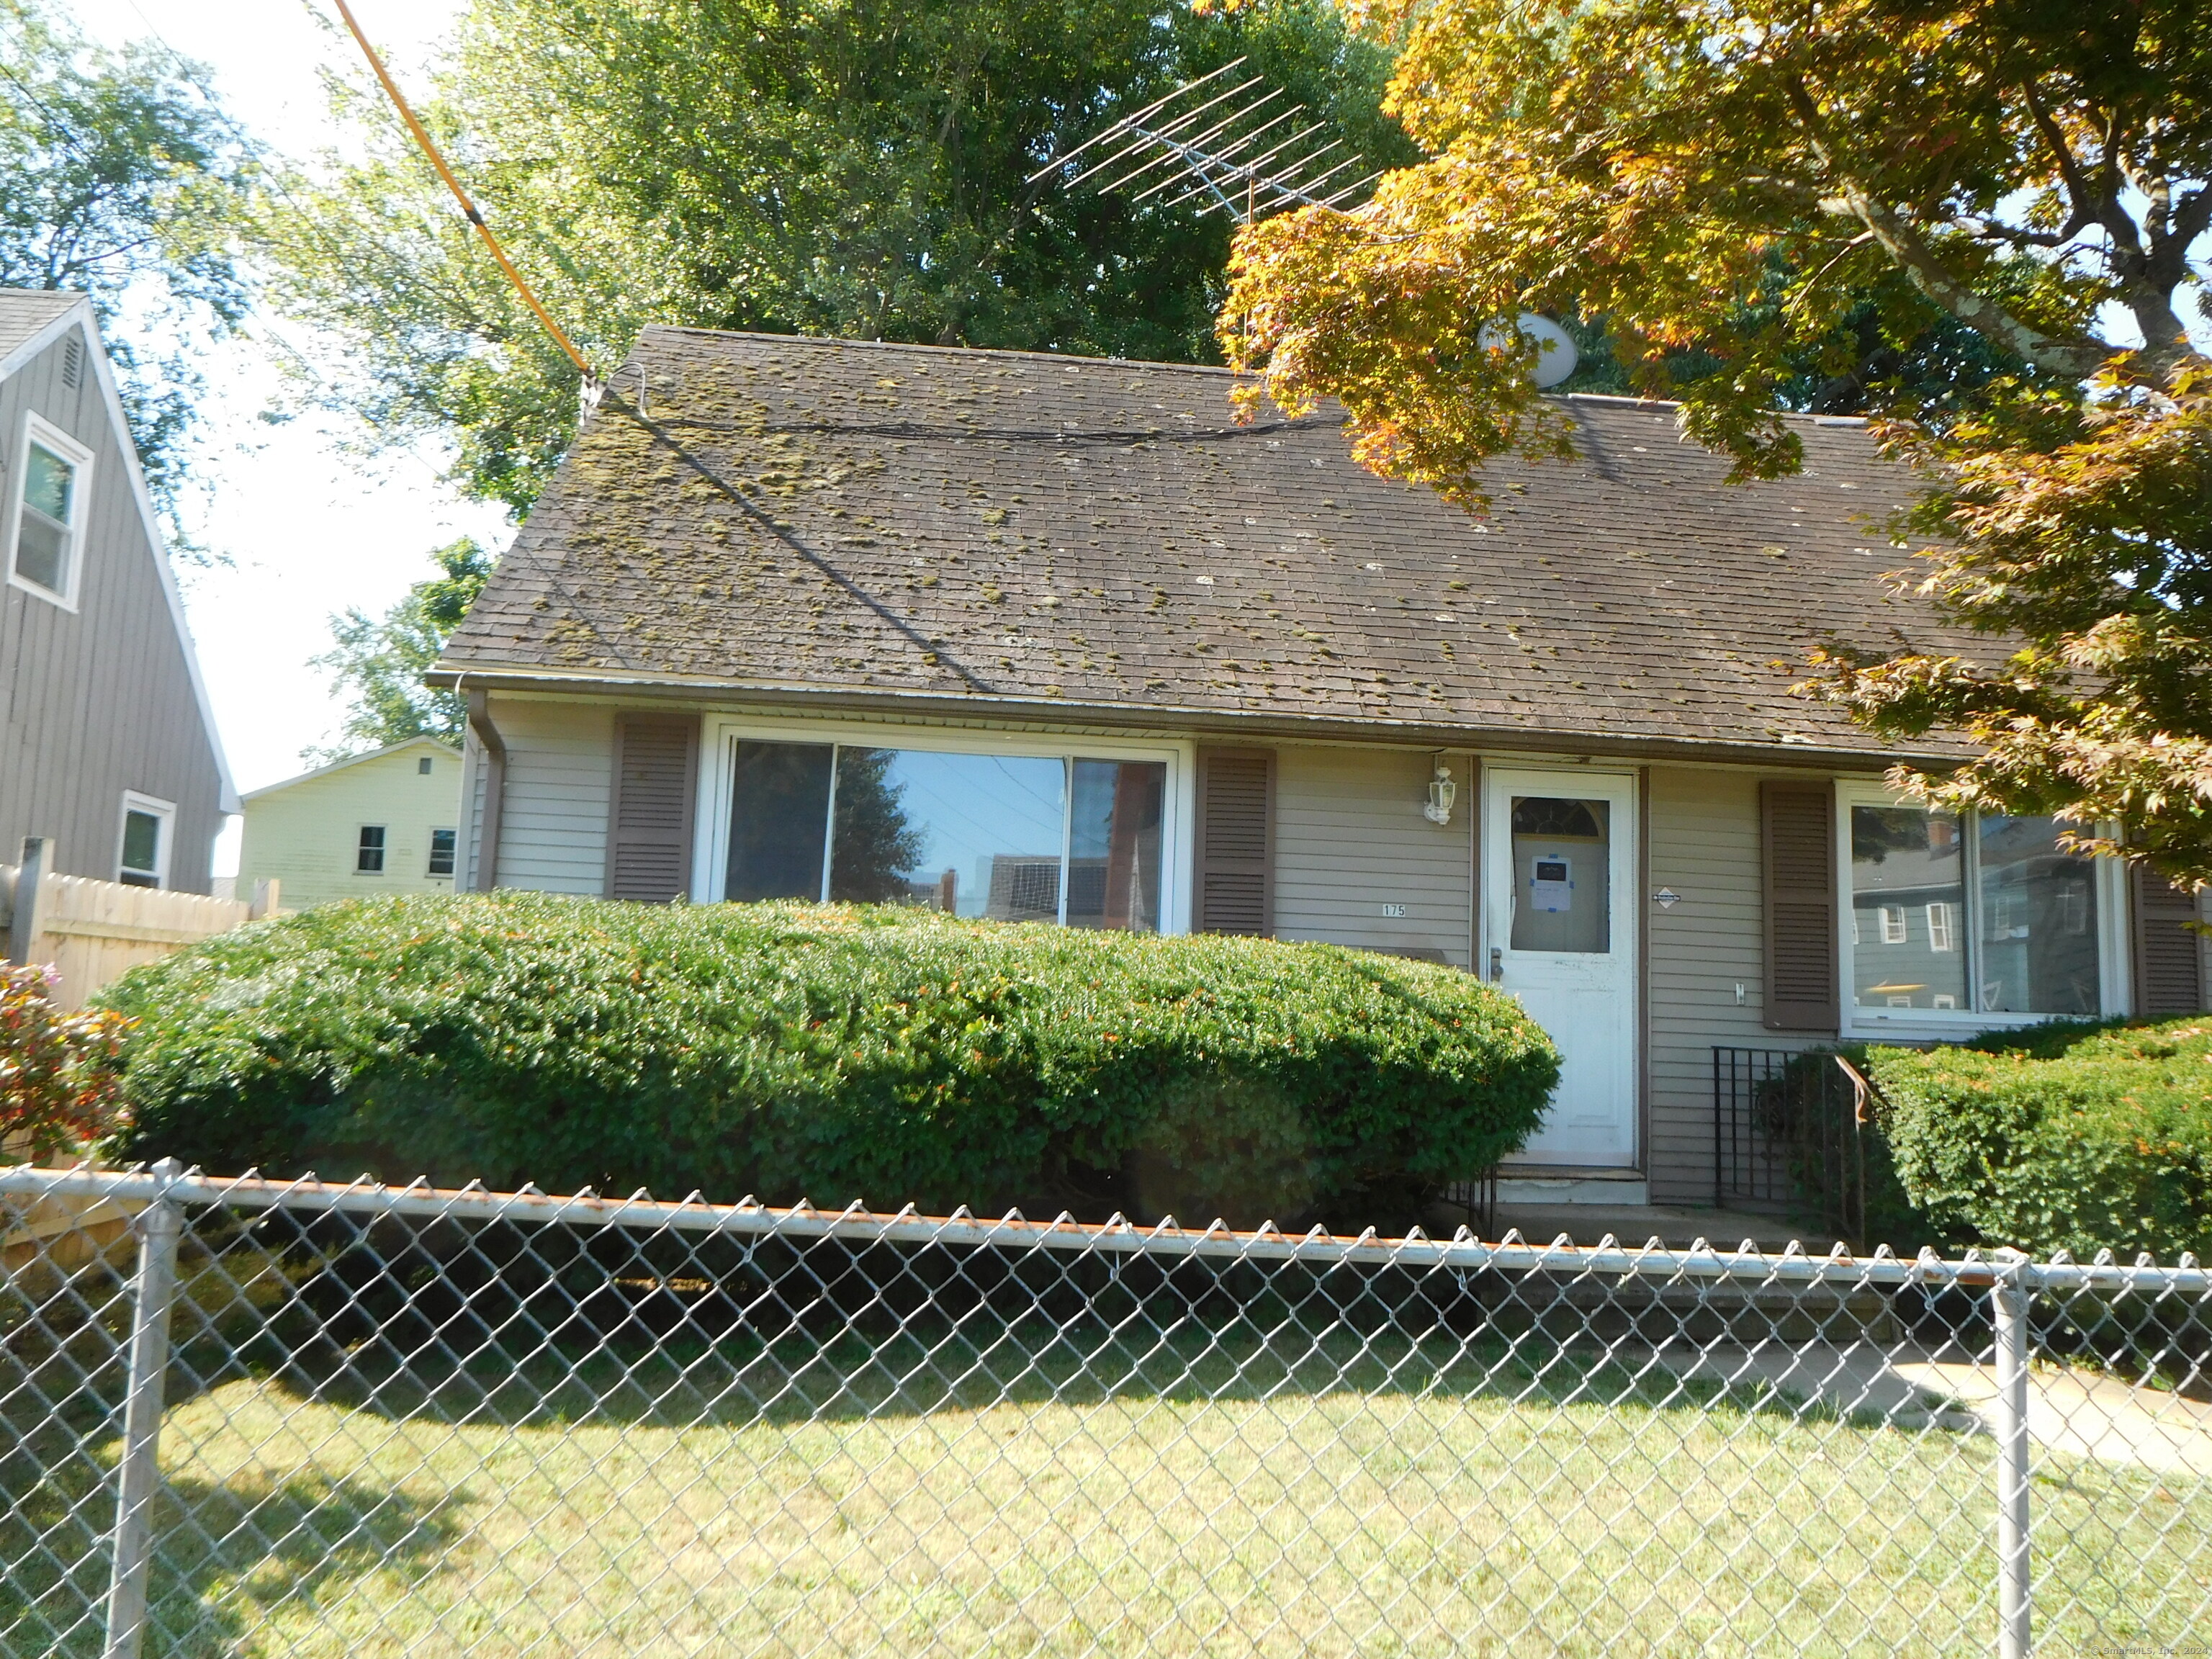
(1350, 839)
(306, 833)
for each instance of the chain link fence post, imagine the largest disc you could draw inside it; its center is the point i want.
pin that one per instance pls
(2008, 1299)
(138, 1479)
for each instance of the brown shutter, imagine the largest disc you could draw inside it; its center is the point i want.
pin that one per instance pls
(649, 819)
(2168, 952)
(1797, 841)
(1235, 842)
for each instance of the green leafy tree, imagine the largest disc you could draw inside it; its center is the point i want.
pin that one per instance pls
(1960, 213)
(859, 167)
(874, 845)
(381, 661)
(119, 176)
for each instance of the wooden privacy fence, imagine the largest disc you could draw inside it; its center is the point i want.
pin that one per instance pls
(91, 932)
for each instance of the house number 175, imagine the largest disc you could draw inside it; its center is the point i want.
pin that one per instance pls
(1393, 910)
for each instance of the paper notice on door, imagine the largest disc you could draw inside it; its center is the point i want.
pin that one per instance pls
(1551, 886)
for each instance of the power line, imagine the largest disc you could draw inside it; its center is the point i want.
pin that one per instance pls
(468, 207)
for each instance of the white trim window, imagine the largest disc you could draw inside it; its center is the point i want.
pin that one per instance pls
(46, 507)
(368, 850)
(2017, 929)
(443, 845)
(1011, 827)
(144, 846)
(1941, 934)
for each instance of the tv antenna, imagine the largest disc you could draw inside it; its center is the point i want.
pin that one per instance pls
(1230, 144)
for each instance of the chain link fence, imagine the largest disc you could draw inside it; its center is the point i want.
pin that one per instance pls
(301, 1418)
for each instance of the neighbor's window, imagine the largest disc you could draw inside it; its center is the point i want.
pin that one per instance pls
(441, 852)
(144, 858)
(368, 851)
(47, 513)
(1985, 914)
(1012, 837)
(1939, 927)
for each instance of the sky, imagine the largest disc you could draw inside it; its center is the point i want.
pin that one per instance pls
(310, 524)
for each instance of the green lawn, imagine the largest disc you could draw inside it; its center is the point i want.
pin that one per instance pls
(1198, 1496)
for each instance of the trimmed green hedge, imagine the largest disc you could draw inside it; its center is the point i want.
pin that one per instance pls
(2079, 1137)
(886, 1054)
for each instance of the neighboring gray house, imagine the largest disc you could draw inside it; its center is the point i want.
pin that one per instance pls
(1056, 639)
(106, 743)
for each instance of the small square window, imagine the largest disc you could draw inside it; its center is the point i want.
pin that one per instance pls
(143, 859)
(423, 767)
(442, 850)
(368, 854)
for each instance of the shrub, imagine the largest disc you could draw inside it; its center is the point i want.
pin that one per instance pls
(879, 1053)
(2080, 1137)
(59, 1071)
(59, 1080)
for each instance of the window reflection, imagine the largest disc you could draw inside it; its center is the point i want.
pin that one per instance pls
(972, 835)
(779, 808)
(1908, 891)
(1113, 845)
(978, 836)
(2016, 936)
(2039, 921)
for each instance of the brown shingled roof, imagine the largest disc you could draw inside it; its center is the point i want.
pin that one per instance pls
(812, 520)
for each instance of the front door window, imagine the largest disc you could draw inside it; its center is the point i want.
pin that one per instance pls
(1562, 859)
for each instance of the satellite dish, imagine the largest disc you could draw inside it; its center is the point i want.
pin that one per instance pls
(1556, 356)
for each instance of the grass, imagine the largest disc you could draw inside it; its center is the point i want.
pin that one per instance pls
(929, 1487)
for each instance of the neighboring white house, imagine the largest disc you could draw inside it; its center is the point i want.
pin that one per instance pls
(376, 823)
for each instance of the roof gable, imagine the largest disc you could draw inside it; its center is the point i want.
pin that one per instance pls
(389, 752)
(33, 322)
(803, 517)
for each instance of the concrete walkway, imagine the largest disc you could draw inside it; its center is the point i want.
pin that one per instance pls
(2079, 1414)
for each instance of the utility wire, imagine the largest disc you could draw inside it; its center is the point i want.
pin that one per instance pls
(468, 207)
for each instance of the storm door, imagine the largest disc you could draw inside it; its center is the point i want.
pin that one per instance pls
(1559, 917)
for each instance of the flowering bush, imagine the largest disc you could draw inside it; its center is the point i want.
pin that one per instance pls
(60, 1073)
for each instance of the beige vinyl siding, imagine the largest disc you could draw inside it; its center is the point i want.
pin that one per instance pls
(1350, 838)
(560, 773)
(1705, 846)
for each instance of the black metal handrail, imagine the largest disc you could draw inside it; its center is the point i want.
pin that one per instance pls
(1789, 1136)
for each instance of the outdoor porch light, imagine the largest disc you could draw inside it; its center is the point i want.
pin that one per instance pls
(1441, 792)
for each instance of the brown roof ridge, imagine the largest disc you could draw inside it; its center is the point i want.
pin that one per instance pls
(1629, 400)
(1622, 399)
(1063, 358)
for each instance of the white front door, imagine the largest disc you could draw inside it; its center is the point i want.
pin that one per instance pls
(1560, 918)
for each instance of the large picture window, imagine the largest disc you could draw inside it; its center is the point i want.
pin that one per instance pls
(1980, 914)
(1058, 838)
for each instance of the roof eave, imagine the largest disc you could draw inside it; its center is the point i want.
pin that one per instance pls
(1060, 711)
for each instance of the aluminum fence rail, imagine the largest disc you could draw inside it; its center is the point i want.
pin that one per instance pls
(303, 1418)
